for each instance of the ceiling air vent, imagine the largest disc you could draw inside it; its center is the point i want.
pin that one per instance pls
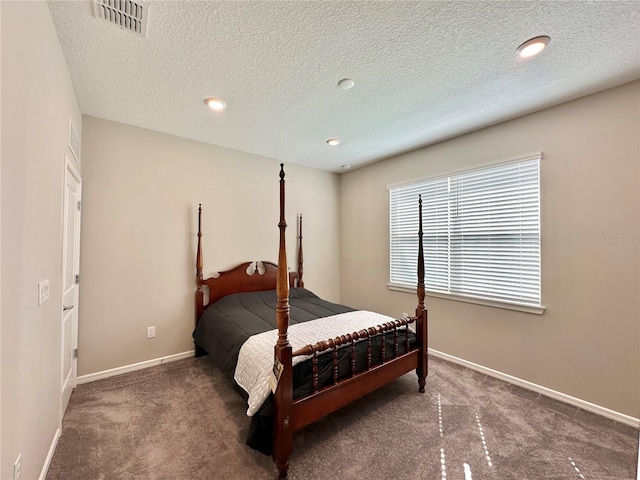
(125, 14)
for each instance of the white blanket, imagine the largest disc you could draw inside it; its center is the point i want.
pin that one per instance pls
(255, 361)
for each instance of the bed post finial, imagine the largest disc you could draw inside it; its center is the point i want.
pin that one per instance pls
(199, 294)
(300, 269)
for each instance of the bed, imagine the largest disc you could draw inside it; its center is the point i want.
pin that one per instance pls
(293, 356)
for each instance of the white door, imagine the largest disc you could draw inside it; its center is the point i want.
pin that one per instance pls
(70, 280)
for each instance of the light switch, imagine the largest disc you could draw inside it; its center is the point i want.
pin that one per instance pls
(43, 291)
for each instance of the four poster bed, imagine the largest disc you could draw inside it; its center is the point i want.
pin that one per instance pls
(330, 354)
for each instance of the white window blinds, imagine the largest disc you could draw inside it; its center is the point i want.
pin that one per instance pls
(481, 232)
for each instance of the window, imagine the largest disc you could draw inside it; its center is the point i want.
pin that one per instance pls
(481, 233)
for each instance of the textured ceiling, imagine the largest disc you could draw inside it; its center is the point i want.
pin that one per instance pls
(423, 71)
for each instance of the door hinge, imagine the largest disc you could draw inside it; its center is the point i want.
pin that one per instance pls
(75, 353)
(79, 204)
(78, 278)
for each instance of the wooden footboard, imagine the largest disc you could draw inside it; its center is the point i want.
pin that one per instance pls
(324, 401)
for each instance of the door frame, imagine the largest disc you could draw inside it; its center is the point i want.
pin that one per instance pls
(70, 167)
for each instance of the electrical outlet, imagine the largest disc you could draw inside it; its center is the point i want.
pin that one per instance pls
(151, 332)
(43, 291)
(17, 468)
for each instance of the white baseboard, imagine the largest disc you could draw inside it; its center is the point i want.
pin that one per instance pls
(133, 367)
(563, 397)
(52, 449)
(638, 469)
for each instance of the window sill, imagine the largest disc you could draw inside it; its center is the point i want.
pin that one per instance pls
(478, 301)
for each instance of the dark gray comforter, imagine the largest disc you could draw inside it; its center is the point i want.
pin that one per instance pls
(229, 322)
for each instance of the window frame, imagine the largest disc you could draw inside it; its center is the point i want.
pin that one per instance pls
(469, 298)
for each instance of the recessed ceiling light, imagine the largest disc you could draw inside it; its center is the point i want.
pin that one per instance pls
(334, 142)
(345, 167)
(215, 103)
(533, 46)
(346, 83)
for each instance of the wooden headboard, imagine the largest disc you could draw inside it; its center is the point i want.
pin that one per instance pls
(237, 280)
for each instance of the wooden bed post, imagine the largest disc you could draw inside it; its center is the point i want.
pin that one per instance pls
(199, 310)
(300, 281)
(283, 398)
(199, 294)
(421, 311)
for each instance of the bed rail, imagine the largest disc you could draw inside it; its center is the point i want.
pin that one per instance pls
(365, 334)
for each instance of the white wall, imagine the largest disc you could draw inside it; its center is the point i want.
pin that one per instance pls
(141, 191)
(37, 102)
(0, 246)
(587, 343)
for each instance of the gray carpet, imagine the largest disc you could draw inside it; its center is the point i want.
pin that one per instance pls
(183, 421)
